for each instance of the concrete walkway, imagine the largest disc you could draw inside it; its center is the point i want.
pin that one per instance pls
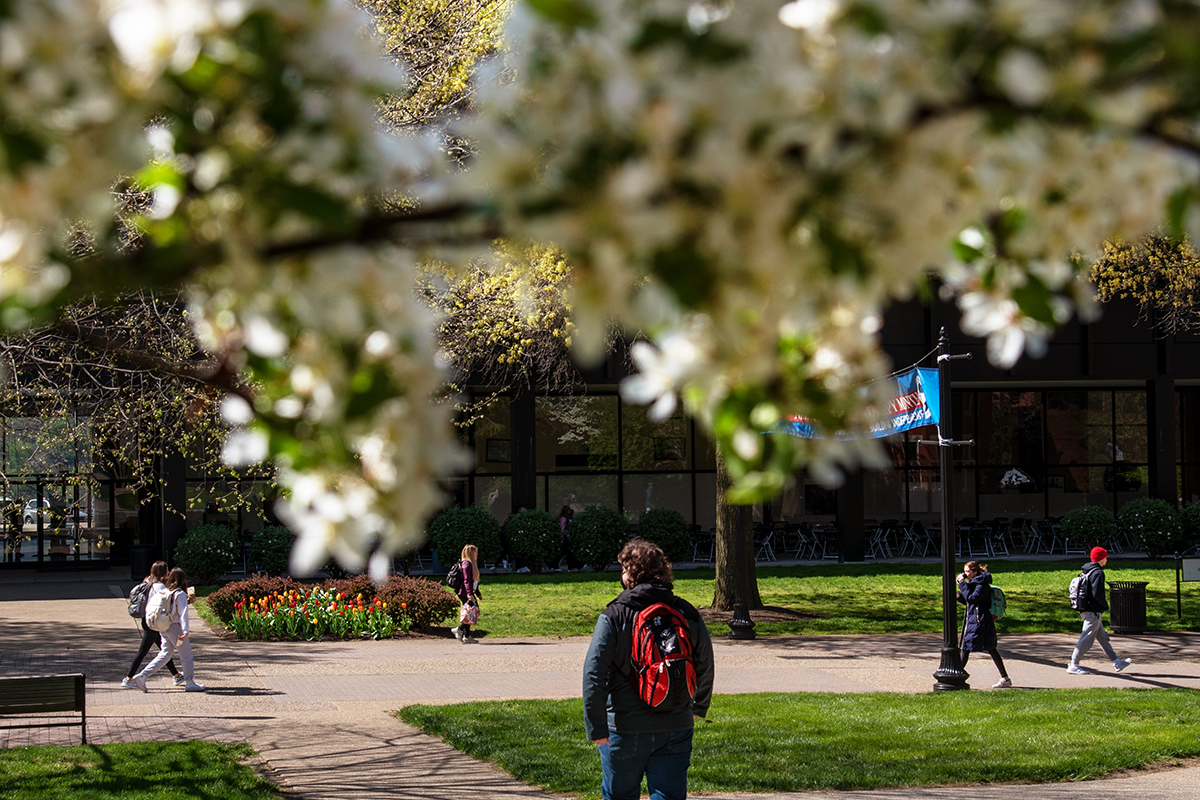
(320, 713)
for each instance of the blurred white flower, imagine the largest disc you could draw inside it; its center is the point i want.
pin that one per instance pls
(244, 447)
(808, 14)
(1024, 77)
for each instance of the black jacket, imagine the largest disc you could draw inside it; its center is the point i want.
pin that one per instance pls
(610, 702)
(1097, 595)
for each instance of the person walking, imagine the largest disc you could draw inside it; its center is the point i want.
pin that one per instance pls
(175, 638)
(979, 629)
(1092, 610)
(158, 572)
(634, 738)
(468, 594)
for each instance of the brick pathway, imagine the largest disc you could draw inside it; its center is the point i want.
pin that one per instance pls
(320, 714)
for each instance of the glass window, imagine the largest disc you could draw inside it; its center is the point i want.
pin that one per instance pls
(649, 445)
(576, 434)
(706, 499)
(493, 438)
(1078, 427)
(644, 492)
(581, 491)
(494, 492)
(1130, 422)
(883, 493)
(1009, 429)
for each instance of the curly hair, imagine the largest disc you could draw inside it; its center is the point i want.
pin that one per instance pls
(646, 563)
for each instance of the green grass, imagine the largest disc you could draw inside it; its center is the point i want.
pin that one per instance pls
(835, 598)
(797, 742)
(139, 771)
(879, 597)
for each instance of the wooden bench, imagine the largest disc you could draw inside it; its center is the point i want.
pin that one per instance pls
(44, 694)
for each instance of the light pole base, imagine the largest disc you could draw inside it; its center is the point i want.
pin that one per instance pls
(950, 675)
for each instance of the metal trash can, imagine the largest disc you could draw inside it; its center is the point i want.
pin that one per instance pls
(1127, 606)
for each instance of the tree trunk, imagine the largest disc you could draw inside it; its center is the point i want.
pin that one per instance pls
(737, 580)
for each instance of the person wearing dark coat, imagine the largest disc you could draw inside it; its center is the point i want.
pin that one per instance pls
(1092, 613)
(979, 629)
(635, 739)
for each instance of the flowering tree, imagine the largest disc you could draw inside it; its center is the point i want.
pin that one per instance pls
(750, 183)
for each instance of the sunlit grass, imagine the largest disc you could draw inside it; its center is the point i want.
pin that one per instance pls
(877, 597)
(137, 771)
(804, 742)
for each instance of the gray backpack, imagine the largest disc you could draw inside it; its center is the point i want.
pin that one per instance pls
(158, 610)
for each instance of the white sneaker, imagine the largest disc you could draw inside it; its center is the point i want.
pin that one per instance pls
(192, 686)
(178, 679)
(1122, 663)
(458, 634)
(1075, 669)
(470, 640)
(1003, 683)
(127, 683)
(140, 683)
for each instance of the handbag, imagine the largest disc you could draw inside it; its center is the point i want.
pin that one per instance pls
(468, 614)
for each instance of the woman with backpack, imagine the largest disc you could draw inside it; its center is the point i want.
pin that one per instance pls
(175, 637)
(468, 594)
(152, 583)
(979, 629)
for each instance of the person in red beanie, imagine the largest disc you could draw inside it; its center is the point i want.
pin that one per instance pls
(1091, 611)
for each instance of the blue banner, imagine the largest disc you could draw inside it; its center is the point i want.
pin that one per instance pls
(916, 402)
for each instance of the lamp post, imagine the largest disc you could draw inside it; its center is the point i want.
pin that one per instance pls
(950, 675)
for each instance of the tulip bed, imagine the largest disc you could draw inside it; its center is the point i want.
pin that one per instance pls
(316, 613)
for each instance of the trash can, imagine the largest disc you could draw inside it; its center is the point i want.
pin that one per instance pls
(1127, 606)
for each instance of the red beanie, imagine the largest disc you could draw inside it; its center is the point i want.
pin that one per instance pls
(1099, 554)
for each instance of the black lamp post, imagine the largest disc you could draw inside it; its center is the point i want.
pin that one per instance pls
(950, 675)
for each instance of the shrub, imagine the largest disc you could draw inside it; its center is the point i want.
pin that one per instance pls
(1089, 524)
(668, 529)
(353, 586)
(206, 553)
(424, 602)
(1189, 524)
(454, 528)
(223, 600)
(597, 535)
(271, 548)
(1153, 523)
(534, 537)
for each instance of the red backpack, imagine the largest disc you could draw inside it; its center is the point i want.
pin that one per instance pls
(664, 672)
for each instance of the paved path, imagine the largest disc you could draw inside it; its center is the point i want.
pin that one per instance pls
(320, 714)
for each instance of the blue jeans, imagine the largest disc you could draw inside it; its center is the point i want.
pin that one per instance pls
(662, 757)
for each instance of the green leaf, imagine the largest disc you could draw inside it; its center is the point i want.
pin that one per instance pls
(965, 252)
(1177, 207)
(568, 13)
(372, 386)
(1034, 300)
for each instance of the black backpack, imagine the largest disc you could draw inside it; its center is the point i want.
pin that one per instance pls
(137, 600)
(454, 578)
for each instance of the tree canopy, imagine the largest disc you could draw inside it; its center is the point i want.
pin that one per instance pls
(749, 183)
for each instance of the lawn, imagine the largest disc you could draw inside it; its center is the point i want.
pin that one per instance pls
(878, 597)
(139, 771)
(881, 597)
(798, 742)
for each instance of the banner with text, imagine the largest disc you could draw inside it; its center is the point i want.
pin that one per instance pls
(915, 403)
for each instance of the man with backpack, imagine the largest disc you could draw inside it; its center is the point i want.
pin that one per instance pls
(647, 676)
(1091, 602)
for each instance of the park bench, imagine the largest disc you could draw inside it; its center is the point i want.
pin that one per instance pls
(44, 694)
